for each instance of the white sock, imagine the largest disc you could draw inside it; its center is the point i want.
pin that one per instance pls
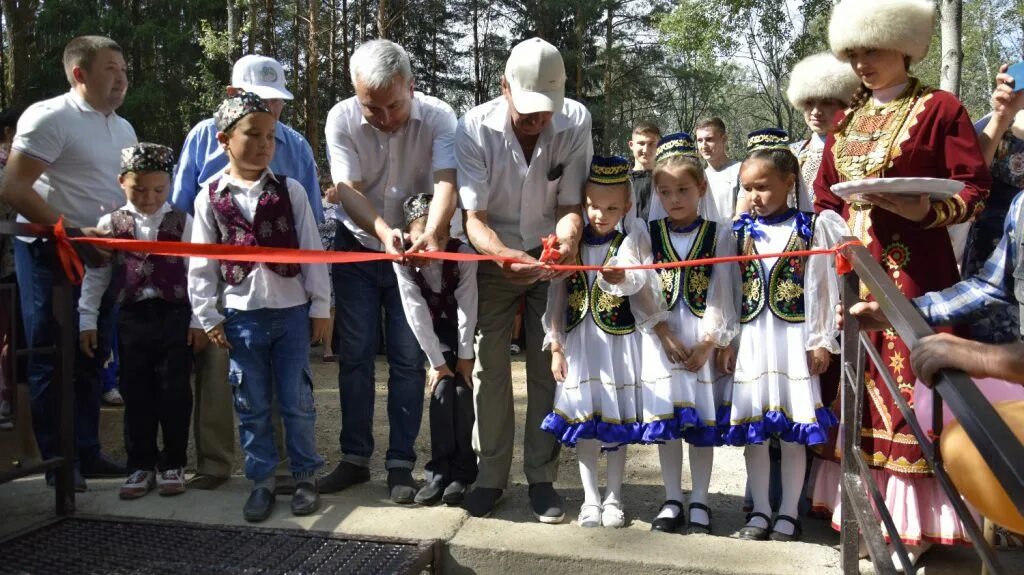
(670, 454)
(914, 552)
(702, 459)
(758, 468)
(793, 467)
(587, 451)
(616, 473)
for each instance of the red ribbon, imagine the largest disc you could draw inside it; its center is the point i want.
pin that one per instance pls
(69, 259)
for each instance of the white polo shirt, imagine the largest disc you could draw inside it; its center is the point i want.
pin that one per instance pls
(520, 199)
(719, 204)
(82, 151)
(391, 167)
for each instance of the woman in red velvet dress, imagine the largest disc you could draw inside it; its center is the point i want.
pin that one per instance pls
(897, 127)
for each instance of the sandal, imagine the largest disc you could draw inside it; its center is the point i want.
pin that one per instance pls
(669, 524)
(797, 529)
(752, 533)
(694, 527)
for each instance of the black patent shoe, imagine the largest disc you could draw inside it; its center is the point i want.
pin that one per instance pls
(698, 528)
(797, 529)
(669, 524)
(752, 533)
(259, 506)
(305, 498)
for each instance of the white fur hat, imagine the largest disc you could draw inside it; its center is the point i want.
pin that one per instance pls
(905, 26)
(821, 77)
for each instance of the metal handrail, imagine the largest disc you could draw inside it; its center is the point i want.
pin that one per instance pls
(64, 352)
(990, 434)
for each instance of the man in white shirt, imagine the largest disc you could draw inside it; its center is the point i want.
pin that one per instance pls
(65, 161)
(385, 144)
(523, 160)
(723, 202)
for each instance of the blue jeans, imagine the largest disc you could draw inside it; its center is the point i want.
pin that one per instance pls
(361, 290)
(35, 263)
(269, 359)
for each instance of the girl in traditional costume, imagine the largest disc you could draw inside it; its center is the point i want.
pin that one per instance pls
(595, 352)
(897, 127)
(684, 398)
(788, 331)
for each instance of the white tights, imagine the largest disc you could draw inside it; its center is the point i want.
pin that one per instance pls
(702, 460)
(588, 451)
(794, 463)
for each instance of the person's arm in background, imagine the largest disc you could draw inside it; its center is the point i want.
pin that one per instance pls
(186, 173)
(1005, 105)
(979, 360)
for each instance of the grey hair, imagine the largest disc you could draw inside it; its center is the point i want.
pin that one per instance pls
(81, 51)
(376, 62)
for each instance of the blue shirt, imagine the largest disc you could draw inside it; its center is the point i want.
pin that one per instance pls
(202, 158)
(992, 286)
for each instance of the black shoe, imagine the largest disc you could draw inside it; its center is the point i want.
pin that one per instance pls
(77, 480)
(305, 498)
(454, 494)
(797, 529)
(259, 505)
(401, 486)
(102, 466)
(284, 485)
(481, 501)
(752, 533)
(547, 504)
(695, 528)
(345, 475)
(431, 493)
(669, 524)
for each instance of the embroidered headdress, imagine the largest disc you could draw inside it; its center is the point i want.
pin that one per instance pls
(236, 107)
(905, 26)
(147, 157)
(416, 207)
(608, 170)
(677, 144)
(768, 139)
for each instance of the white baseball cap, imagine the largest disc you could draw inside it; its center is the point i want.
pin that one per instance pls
(536, 77)
(262, 76)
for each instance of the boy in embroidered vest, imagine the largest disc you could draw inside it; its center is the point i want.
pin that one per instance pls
(787, 332)
(158, 333)
(595, 351)
(440, 304)
(265, 306)
(683, 397)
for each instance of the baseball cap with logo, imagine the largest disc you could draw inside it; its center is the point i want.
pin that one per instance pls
(536, 77)
(260, 75)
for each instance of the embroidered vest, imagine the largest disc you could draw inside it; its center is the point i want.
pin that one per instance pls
(136, 271)
(784, 283)
(691, 283)
(1018, 271)
(273, 225)
(611, 313)
(444, 308)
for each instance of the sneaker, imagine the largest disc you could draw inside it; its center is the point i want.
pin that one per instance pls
(171, 481)
(514, 349)
(546, 503)
(612, 515)
(138, 484)
(590, 515)
(113, 397)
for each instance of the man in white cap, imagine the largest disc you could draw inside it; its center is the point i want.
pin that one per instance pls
(523, 160)
(202, 159)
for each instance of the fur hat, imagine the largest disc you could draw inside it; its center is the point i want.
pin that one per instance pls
(905, 26)
(821, 77)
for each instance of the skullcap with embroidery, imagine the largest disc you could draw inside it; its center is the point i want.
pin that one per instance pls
(677, 144)
(608, 170)
(147, 157)
(236, 107)
(416, 207)
(768, 139)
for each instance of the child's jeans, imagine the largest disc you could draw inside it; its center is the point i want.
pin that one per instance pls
(270, 360)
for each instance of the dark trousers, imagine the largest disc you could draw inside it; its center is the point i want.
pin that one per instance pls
(156, 363)
(451, 430)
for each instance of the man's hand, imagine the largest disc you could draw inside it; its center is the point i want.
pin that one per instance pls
(218, 337)
(525, 273)
(559, 367)
(613, 276)
(436, 374)
(869, 315)
(944, 350)
(725, 360)
(394, 241)
(197, 339)
(464, 367)
(87, 340)
(912, 207)
(818, 360)
(319, 327)
(427, 242)
(567, 248)
(1005, 102)
(699, 355)
(674, 349)
(332, 195)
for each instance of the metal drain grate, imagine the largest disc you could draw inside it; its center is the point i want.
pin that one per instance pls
(103, 545)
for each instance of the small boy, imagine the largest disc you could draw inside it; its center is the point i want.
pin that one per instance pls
(643, 143)
(440, 303)
(262, 312)
(158, 333)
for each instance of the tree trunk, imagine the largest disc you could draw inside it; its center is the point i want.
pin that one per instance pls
(609, 103)
(951, 13)
(478, 83)
(383, 23)
(312, 77)
(235, 50)
(332, 54)
(252, 27)
(20, 17)
(580, 41)
(345, 52)
(298, 104)
(269, 48)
